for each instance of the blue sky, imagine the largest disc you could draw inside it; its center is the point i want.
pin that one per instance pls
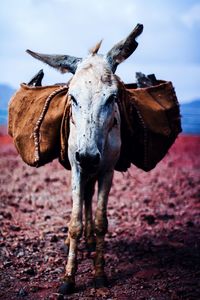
(168, 47)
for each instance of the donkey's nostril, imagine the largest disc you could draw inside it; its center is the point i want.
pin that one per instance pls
(87, 160)
(77, 155)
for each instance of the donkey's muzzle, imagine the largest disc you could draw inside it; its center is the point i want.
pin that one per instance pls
(88, 160)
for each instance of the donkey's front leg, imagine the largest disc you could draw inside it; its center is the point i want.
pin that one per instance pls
(75, 232)
(101, 226)
(89, 226)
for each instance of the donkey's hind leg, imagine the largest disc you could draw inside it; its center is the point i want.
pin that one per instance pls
(89, 225)
(67, 242)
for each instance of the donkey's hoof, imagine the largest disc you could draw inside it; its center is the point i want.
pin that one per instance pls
(68, 287)
(101, 281)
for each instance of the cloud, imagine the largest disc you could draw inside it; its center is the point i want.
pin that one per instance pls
(73, 26)
(191, 17)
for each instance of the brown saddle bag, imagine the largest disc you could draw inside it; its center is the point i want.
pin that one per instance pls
(34, 121)
(150, 122)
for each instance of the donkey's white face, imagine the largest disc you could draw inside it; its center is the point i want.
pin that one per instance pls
(94, 138)
(95, 119)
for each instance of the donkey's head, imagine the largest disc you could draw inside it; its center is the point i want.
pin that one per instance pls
(95, 122)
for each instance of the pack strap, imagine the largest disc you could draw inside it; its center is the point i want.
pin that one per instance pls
(36, 131)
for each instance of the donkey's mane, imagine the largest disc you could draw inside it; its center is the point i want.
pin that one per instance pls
(94, 50)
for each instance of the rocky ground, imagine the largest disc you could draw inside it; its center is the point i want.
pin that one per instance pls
(153, 244)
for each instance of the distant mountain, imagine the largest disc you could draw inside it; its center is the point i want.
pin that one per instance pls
(191, 117)
(194, 104)
(6, 92)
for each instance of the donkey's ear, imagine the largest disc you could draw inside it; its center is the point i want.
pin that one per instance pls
(64, 63)
(124, 48)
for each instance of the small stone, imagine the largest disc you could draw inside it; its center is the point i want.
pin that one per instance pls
(22, 293)
(7, 215)
(34, 289)
(147, 201)
(15, 227)
(30, 271)
(20, 254)
(47, 179)
(47, 218)
(7, 264)
(64, 229)
(24, 278)
(150, 219)
(46, 258)
(54, 239)
(58, 270)
(165, 217)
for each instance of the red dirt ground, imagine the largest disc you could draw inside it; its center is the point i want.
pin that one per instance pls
(153, 244)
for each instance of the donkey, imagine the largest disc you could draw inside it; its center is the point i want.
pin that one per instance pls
(93, 145)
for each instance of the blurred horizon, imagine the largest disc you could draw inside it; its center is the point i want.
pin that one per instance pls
(168, 47)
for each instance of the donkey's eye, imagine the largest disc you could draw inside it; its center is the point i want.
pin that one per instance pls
(111, 99)
(74, 102)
